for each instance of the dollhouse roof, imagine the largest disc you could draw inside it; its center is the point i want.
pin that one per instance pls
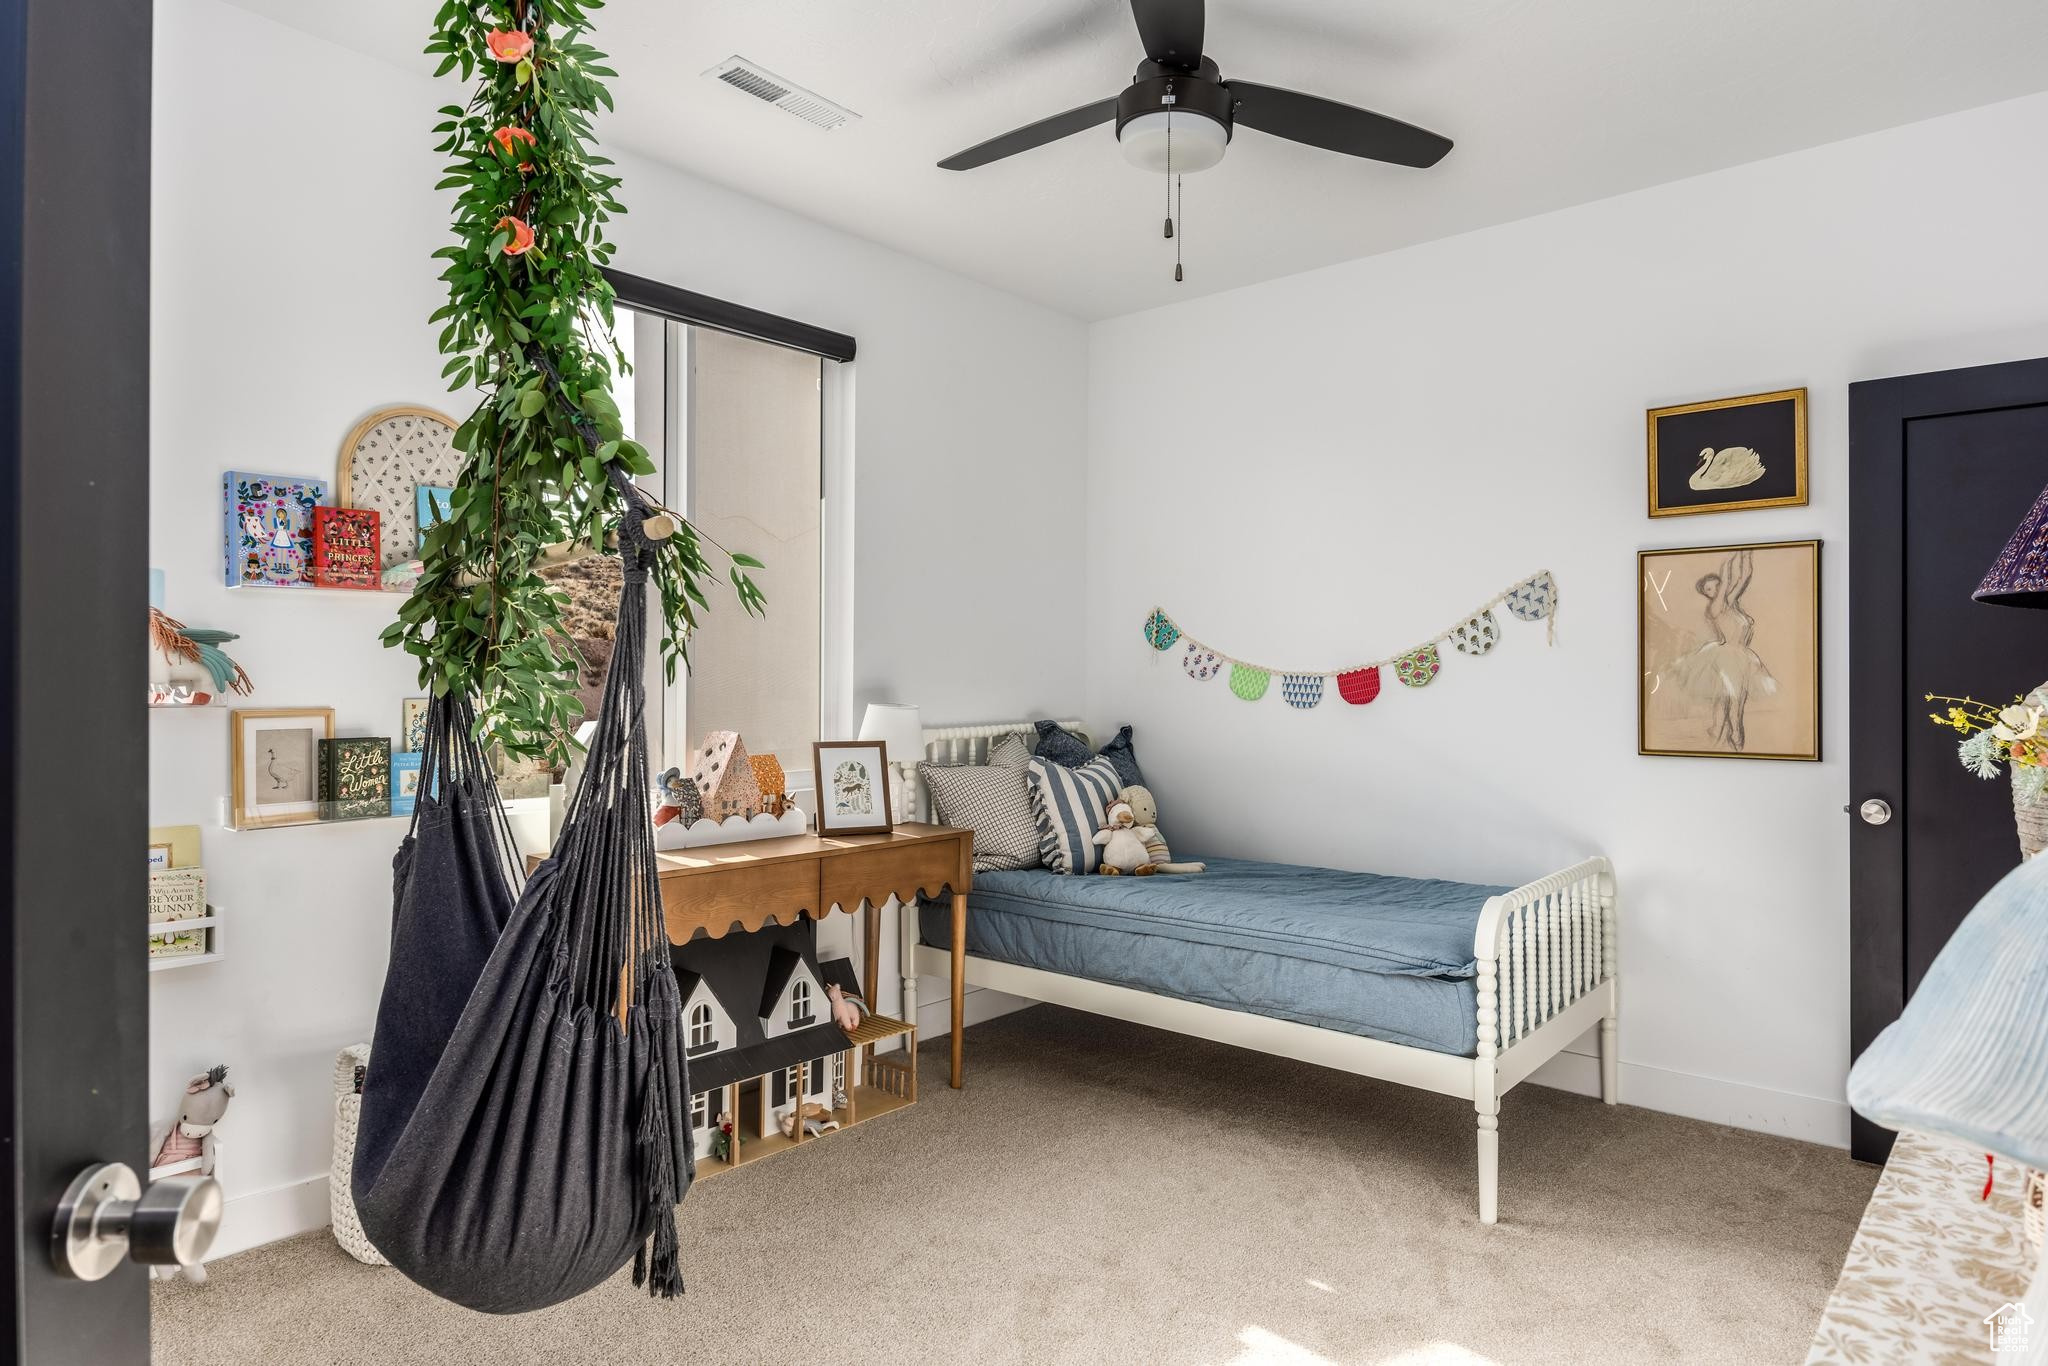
(737, 968)
(710, 1071)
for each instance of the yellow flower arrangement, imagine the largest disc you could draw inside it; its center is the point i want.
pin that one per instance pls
(2011, 734)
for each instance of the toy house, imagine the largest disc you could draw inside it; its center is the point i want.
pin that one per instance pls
(725, 778)
(760, 1043)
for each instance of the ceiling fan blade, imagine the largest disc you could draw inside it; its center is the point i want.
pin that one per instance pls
(1334, 127)
(1171, 30)
(1031, 135)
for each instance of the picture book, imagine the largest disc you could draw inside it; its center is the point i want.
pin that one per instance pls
(345, 548)
(405, 782)
(268, 521)
(434, 506)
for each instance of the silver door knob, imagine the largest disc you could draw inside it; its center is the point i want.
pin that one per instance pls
(1875, 811)
(106, 1215)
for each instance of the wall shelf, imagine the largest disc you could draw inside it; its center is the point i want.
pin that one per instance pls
(210, 923)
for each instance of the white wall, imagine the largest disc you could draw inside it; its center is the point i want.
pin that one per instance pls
(293, 226)
(1329, 466)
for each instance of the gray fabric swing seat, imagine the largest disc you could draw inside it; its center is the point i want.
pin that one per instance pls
(523, 1132)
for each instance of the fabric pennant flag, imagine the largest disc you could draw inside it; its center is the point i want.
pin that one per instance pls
(1533, 599)
(1359, 687)
(1418, 667)
(1249, 682)
(1302, 690)
(1202, 665)
(1478, 635)
(1160, 631)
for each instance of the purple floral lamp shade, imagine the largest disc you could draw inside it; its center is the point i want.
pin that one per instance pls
(2019, 576)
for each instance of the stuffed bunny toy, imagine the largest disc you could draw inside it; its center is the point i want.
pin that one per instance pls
(1145, 811)
(193, 1135)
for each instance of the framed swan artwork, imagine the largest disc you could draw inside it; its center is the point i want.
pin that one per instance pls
(1729, 453)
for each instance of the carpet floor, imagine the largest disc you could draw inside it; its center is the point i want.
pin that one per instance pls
(1102, 1192)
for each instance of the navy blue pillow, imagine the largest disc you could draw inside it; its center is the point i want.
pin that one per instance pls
(1070, 751)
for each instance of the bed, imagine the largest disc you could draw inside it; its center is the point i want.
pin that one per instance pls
(1458, 988)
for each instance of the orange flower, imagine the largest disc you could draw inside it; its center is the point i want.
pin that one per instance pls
(512, 133)
(522, 235)
(509, 45)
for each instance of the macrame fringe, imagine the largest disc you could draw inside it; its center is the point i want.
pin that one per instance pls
(662, 1274)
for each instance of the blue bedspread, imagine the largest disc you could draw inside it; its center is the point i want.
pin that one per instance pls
(1386, 957)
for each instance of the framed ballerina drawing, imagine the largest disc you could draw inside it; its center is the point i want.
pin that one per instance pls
(1728, 454)
(1728, 651)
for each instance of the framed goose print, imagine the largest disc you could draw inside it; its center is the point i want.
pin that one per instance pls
(1728, 454)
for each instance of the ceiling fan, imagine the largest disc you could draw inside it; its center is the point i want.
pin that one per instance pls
(1177, 79)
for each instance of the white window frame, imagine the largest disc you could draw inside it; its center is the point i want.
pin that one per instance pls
(700, 1110)
(702, 1015)
(670, 483)
(799, 1001)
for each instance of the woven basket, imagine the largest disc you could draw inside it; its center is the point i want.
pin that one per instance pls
(2032, 820)
(341, 1200)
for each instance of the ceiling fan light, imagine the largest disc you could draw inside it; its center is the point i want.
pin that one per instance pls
(1198, 141)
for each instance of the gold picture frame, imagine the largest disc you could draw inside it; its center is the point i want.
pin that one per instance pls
(1747, 452)
(287, 790)
(1728, 662)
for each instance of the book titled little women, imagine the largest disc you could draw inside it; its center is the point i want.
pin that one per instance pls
(355, 778)
(345, 548)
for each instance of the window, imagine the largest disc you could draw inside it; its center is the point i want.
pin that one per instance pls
(800, 1003)
(736, 428)
(703, 1034)
(700, 1110)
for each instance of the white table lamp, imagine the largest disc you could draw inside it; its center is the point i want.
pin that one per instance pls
(898, 726)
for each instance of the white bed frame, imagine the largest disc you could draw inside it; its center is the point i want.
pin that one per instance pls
(1547, 974)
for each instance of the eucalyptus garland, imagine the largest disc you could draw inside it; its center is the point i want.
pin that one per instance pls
(529, 322)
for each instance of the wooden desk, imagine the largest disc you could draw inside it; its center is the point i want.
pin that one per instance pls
(726, 887)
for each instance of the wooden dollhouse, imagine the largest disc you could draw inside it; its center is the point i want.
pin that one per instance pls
(764, 1052)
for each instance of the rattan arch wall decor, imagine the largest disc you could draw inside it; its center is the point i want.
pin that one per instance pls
(384, 459)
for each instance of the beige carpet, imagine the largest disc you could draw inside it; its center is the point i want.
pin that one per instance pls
(1105, 1193)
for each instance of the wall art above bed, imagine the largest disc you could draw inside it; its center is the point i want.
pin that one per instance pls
(1475, 633)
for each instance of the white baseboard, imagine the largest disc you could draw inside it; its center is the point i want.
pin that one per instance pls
(1734, 1103)
(265, 1216)
(1737, 1104)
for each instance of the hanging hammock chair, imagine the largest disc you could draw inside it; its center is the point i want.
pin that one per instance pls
(524, 1130)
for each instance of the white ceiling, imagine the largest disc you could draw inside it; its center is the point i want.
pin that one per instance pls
(1551, 103)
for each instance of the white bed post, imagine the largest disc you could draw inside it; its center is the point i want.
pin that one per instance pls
(1610, 1046)
(1484, 1098)
(907, 938)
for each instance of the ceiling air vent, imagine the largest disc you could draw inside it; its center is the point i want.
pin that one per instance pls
(789, 97)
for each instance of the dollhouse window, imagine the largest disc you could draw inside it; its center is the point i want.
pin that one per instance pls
(700, 1110)
(702, 1033)
(800, 1004)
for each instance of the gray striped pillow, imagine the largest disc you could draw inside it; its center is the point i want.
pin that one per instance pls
(1068, 804)
(993, 803)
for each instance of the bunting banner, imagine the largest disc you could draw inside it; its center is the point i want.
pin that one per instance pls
(1476, 633)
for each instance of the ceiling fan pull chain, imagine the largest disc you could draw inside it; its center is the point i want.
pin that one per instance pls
(1180, 211)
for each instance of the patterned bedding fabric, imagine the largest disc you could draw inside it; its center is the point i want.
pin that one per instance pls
(1362, 921)
(1933, 1265)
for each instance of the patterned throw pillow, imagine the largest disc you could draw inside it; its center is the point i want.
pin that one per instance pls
(1071, 751)
(993, 802)
(1068, 804)
(1009, 751)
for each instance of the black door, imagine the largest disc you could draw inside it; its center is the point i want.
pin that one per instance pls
(74, 480)
(1943, 467)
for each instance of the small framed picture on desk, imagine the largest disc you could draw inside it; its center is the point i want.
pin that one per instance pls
(853, 787)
